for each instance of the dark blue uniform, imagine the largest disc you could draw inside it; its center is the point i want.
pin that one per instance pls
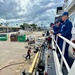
(47, 34)
(66, 32)
(56, 30)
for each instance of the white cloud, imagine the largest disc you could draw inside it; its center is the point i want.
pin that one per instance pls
(1, 0)
(2, 20)
(29, 11)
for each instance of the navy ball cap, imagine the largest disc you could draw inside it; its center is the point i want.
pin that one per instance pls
(65, 14)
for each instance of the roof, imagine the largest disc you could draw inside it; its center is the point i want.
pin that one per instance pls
(8, 27)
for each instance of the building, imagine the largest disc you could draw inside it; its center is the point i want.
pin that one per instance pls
(69, 6)
(9, 29)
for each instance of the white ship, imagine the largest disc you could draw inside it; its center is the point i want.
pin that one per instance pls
(50, 58)
(69, 6)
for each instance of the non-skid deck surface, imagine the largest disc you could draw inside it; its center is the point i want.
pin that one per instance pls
(51, 64)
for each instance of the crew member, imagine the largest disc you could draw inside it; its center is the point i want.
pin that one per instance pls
(65, 32)
(28, 53)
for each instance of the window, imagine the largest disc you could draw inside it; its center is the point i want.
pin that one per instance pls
(72, 19)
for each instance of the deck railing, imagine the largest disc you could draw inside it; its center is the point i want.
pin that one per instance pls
(60, 65)
(44, 57)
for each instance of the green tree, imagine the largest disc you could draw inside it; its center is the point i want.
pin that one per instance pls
(6, 24)
(1, 24)
(34, 26)
(24, 26)
(16, 24)
(39, 28)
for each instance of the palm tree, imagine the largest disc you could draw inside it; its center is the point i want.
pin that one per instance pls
(1, 24)
(6, 24)
(41, 25)
(17, 25)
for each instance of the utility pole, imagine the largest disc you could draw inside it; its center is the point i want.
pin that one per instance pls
(24, 27)
(6, 23)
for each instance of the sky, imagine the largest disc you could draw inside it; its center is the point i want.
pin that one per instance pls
(28, 11)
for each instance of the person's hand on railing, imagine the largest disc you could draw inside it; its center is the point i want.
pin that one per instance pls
(58, 34)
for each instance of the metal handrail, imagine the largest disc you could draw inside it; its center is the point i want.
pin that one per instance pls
(68, 41)
(62, 52)
(66, 64)
(57, 65)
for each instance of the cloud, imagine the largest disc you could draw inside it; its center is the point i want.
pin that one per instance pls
(29, 11)
(1, 0)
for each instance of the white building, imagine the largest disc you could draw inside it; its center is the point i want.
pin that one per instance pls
(69, 6)
(8, 29)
